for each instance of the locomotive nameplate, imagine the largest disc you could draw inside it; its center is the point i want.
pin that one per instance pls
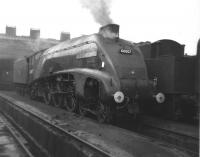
(126, 51)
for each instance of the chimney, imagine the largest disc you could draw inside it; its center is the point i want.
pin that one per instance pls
(64, 36)
(11, 31)
(34, 33)
(110, 31)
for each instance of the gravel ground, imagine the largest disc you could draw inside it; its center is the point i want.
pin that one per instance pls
(117, 141)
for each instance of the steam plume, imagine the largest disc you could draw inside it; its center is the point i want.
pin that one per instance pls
(100, 10)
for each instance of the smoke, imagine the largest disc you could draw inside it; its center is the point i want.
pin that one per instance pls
(100, 10)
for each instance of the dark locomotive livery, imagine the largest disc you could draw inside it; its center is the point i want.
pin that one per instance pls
(98, 73)
(6, 73)
(175, 75)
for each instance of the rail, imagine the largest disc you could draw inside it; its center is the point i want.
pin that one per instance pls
(52, 124)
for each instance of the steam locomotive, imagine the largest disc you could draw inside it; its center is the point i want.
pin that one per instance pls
(176, 76)
(99, 74)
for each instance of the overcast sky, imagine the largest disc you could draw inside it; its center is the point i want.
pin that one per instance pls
(139, 20)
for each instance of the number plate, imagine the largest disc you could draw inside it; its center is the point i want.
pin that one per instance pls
(126, 51)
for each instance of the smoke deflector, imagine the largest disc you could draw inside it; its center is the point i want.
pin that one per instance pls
(110, 31)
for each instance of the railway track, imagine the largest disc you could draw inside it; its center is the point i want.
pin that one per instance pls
(183, 136)
(11, 138)
(57, 127)
(89, 149)
(178, 135)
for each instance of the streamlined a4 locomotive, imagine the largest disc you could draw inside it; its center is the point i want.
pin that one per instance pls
(98, 73)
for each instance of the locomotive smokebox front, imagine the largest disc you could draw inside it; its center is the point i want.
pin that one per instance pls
(110, 31)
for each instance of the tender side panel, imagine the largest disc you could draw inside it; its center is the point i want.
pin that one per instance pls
(162, 70)
(185, 74)
(6, 73)
(174, 75)
(20, 71)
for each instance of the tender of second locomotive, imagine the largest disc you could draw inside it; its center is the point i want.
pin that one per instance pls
(176, 77)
